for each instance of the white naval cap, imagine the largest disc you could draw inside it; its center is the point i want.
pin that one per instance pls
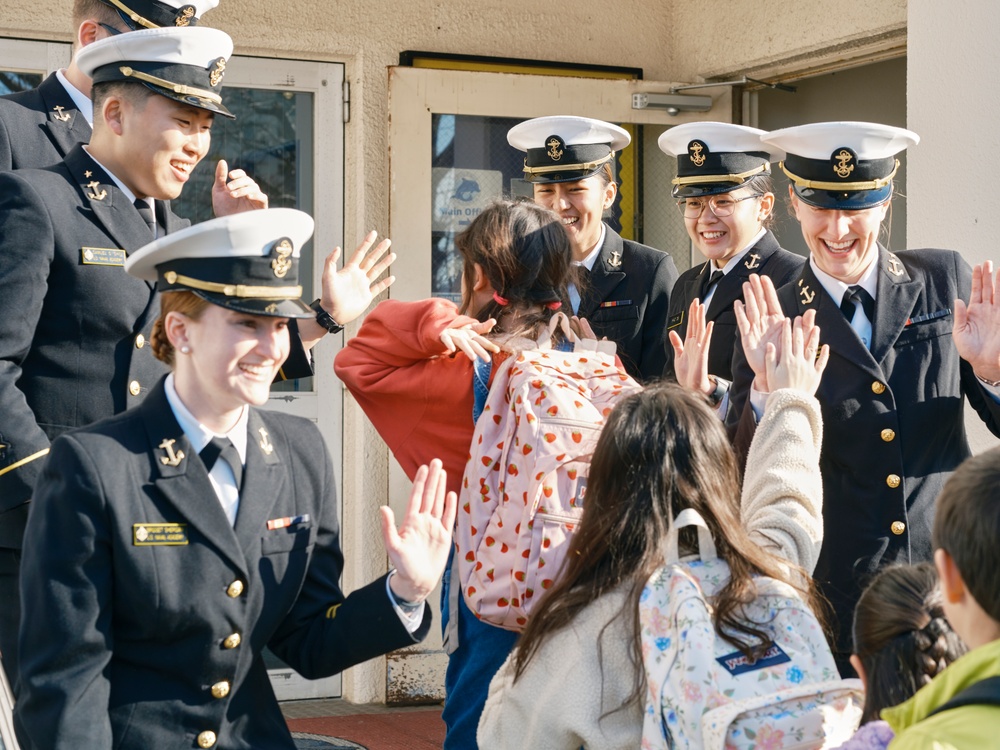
(247, 262)
(841, 165)
(716, 157)
(184, 64)
(564, 148)
(153, 14)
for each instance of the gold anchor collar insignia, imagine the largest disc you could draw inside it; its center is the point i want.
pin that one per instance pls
(698, 152)
(555, 147)
(281, 264)
(753, 261)
(807, 295)
(95, 194)
(60, 114)
(615, 261)
(895, 267)
(265, 442)
(172, 457)
(842, 162)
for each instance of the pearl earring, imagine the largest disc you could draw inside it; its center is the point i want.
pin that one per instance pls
(185, 349)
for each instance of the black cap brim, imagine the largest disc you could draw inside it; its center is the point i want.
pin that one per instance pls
(274, 308)
(833, 200)
(191, 101)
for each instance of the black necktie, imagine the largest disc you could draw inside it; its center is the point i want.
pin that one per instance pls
(708, 283)
(852, 296)
(146, 212)
(222, 446)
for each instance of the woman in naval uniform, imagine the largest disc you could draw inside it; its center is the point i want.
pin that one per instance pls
(724, 191)
(911, 336)
(171, 543)
(626, 291)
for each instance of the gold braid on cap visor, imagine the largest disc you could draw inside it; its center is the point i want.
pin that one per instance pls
(840, 187)
(177, 88)
(234, 290)
(586, 166)
(740, 178)
(133, 15)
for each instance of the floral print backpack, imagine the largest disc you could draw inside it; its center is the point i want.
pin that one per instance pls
(523, 489)
(703, 693)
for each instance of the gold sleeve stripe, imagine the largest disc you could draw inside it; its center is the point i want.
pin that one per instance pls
(23, 461)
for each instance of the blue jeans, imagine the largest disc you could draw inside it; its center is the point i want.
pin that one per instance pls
(482, 650)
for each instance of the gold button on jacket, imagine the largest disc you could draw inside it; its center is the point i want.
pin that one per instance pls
(232, 641)
(892, 480)
(134, 387)
(206, 739)
(140, 341)
(220, 689)
(878, 388)
(235, 589)
(898, 527)
(888, 435)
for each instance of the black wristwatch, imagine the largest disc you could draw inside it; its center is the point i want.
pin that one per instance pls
(325, 319)
(721, 389)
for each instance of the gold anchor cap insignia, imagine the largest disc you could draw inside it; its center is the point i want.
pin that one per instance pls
(282, 264)
(173, 458)
(265, 442)
(95, 194)
(842, 166)
(184, 16)
(218, 71)
(698, 152)
(556, 147)
(616, 260)
(753, 261)
(59, 114)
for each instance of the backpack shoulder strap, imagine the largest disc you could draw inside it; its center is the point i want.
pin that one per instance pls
(983, 693)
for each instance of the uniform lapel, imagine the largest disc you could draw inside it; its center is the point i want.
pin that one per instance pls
(835, 329)
(263, 483)
(606, 274)
(897, 295)
(65, 124)
(180, 476)
(108, 203)
(730, 287)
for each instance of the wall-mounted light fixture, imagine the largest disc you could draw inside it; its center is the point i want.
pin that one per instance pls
(672, 103)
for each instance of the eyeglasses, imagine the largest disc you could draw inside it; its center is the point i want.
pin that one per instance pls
(721, 205)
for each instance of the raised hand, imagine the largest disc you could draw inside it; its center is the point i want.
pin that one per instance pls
(419, 549)
(471, 340)
(976, 332)
(235, 192)
(759, 319)
(348, 291)
(691, 355)
(794, 362)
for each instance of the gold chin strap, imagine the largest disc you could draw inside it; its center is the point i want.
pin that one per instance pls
(177, 88)
(586, 166)
(840, 187)
(133, 15)
(234, 290)
(737, 178)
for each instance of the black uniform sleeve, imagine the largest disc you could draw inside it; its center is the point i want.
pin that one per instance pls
(66, 638)
(325, 633)
(27, 245)
(740, 421)
(299, 363)
(6, 157)
(654, 321)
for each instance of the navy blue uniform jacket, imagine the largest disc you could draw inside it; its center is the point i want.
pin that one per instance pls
(39, 127)
(627, 301)
(893, 417)
(130, 625)
(766, 258)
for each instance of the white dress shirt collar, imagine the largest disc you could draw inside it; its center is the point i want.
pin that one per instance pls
(81, 100)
